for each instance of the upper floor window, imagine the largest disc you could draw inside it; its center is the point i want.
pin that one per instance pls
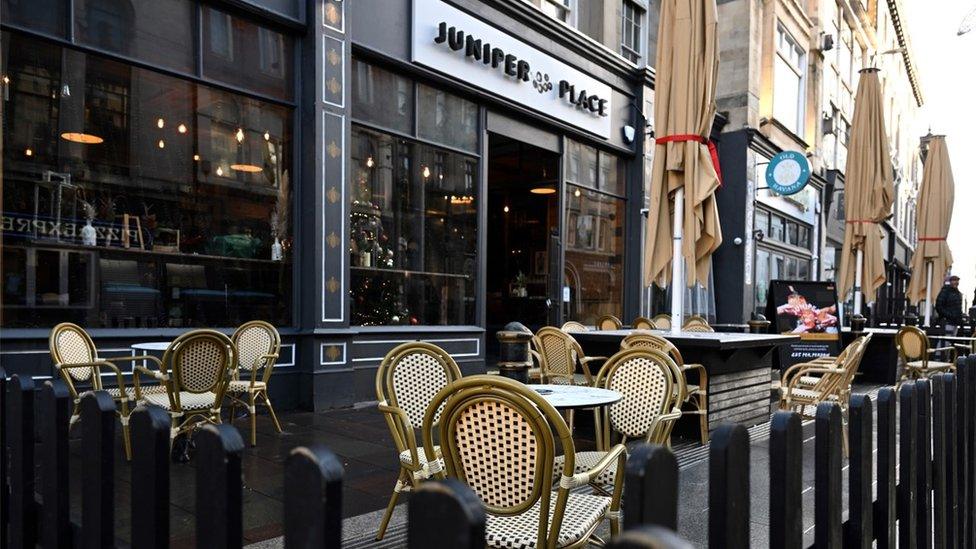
(789, 82)
(560, 9)
(632, 16)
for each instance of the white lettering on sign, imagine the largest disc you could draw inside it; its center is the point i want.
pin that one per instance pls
(466, 48)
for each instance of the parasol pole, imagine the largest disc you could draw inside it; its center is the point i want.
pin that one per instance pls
(928, 293)
(858, 272)
(677, 276)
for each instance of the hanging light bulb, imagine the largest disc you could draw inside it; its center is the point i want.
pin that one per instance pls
(160, 123)
(65, 91)
(196, 157)
(220, 171)
(426, 172)
(267, 136)
(181, 128)
(6, 79)
(162, 144)
(29, 152)
(505, 209)
(577, 193)
(369, 162)
(240, 135)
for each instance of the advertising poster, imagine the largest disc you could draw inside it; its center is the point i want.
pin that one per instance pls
(807, 309)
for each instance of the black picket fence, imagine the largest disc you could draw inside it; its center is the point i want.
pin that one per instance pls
(925, 496)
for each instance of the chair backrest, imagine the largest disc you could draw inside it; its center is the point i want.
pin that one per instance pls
(662, 321)
(120, 271)
(643, 323)
(496, 435)
(254, 340)
(696, 323)
(198, 362)
(573, 326)
(411, 374)
(912, 344)
(559, 352)
(645, 378)
(71, 344)
(608, 322)
(652, 341)
(854, 360)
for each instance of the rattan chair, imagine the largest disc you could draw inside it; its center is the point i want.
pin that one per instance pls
(258, 345)
(662, 321)
(560, 353)
(643, 323)
(608, 322)
(77, 362)
(498, 436)
(696, 394)
(573, 326)
(914, 353)
(195, 370)
(406, 381)
(696, 323)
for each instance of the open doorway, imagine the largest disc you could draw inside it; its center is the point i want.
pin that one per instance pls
(522, 234)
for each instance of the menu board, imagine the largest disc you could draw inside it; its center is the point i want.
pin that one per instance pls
(807, 309)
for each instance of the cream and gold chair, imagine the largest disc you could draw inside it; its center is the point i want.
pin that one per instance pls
(696, 394)
(258, 345)
(608, 322)
(560, 353)
(406, 382)
(499, 437)
(573, 326)
(696, 323)
(914, 353)
(195, 370)
(77, 362)
(662, 321)
(643, 323)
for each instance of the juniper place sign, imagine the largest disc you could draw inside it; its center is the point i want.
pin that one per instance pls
(464, 47)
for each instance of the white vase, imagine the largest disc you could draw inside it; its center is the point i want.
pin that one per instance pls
(88, 234)
(277, 254)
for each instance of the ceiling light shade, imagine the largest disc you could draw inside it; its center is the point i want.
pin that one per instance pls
(249, 168)
(79, 137)
(543, 190)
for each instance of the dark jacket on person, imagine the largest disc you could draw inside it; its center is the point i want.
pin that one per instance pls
(949, 305)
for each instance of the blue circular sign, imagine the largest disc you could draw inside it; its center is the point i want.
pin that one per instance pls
(788, 172)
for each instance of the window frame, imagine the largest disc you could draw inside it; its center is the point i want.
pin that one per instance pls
(786, 47)
(639, 11)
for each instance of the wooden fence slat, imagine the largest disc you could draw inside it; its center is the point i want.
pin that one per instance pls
(4, 484)
(649, 537)
(313, 499)
(728, 487)
(786, 481)
(219, 488)
(828, 448)
(150, 477)
(962, 452)
(860, 525)
(923, 462)
(907, 464)
(939, 436)
(970, 390)
(651, 496)
(951, 468)
(56, 405)
(885, 510)
(98, 467)
(20, 430)
(445, 514)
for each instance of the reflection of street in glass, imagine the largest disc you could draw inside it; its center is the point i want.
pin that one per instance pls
(808, 317)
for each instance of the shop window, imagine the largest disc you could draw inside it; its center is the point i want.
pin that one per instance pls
(761, 222)
(246, 55)
(789, 81)
(631, 36)
(792, 233)
(158, 32)
(559, 9)
(447, 119)
(777, 228)
(289, 8)
(381, 97)
(594, 253)
(413, 232)
(588, 167)
(138, 199)
(45, 16)
(762, 280)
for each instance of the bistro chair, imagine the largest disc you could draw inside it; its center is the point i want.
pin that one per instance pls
(643, 323)
(662, 321)
(406, 382)
(77, 362)
(696, 323)
(608, 322)
(573, 326)
(498, 436)
(195, 371)
(695, 394)
(559, 353)
(258, 345)
(914, 353)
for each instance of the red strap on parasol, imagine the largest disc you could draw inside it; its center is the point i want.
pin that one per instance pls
(931, 238)
(712, 149)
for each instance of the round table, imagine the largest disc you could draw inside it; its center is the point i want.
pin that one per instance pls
(151, 346)
(571, 397)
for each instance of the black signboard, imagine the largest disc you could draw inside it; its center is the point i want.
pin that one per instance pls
(807, 309)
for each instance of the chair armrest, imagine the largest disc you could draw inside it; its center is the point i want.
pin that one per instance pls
(797, 370)
(402, 430)
(702, 374)
(582, 479)
(98, 365)
(806, 371)
(588, 359)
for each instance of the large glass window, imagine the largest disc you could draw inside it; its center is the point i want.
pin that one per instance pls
(447, 119)
(594, 253)
(158, 32)
(246, 55)
(133, 199)
(46, 16)
(788, 85)
(382, 98)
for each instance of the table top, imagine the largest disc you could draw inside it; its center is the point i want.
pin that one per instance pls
(151, 346)
(576, 396)
(718, 340)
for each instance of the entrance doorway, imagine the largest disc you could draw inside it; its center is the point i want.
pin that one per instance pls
(522, 235)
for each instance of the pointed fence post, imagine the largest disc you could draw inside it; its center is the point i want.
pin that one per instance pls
(786, 481)
(98, 468)
(651, 494)
(728, 487)
(970, 390)
(860, 525)
(951, 467)
(828, 505)
(56, 404)
(20, 428)
(885, 509)
(963, 409)
(649, 537)
(219, 505)
(942, 522)
(446, 514)
(923, 460)
(150, 477)
(907, 465)
(313, 499)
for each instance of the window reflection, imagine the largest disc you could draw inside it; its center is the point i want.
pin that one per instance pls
(247, 55)
(381, 97)
(594, 254)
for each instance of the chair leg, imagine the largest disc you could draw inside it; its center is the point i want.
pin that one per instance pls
(397, 488)
(233, 409)
(274, 417)
(254, 420)
(126, 438)
(703, 423)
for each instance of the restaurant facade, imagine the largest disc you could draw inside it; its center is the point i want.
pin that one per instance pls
(359, 173)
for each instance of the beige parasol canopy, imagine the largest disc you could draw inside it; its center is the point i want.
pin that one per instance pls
(934, 214)
(868, 190)
(684, 107)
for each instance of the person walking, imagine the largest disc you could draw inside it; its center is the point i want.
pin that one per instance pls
(949, 306)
